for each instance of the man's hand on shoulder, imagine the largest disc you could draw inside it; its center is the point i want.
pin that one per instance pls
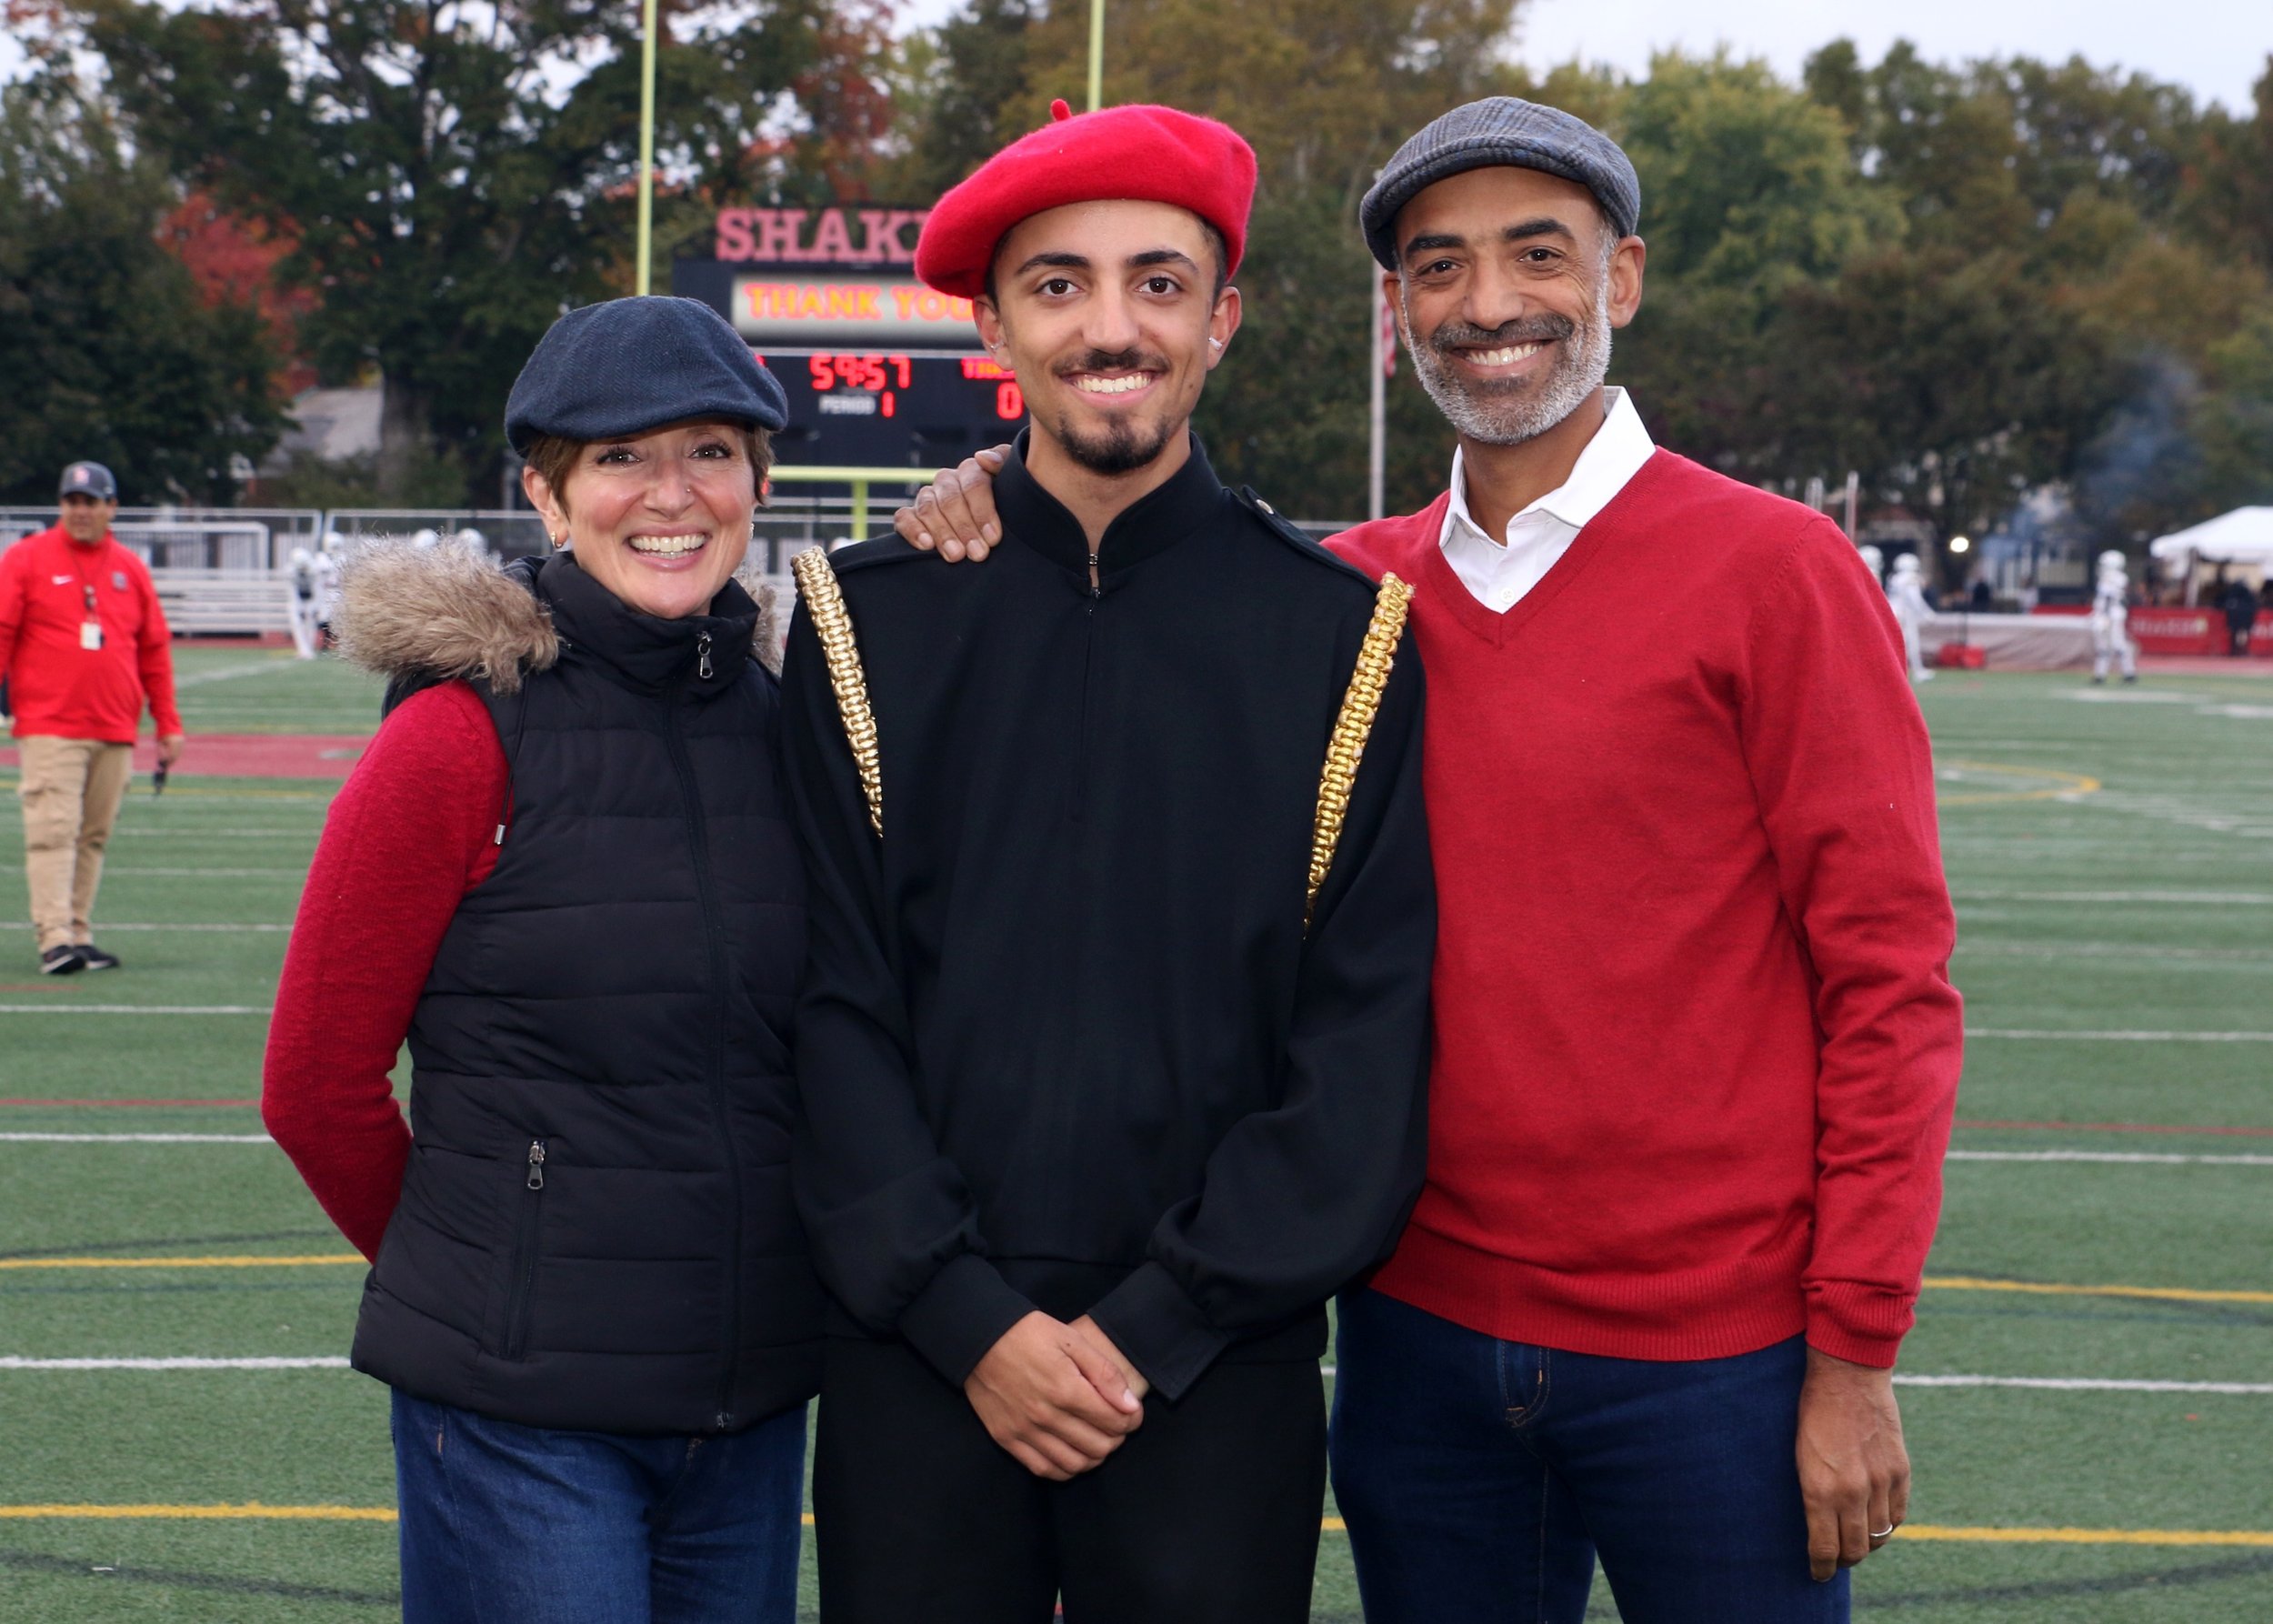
(1854, 1469)
(955, 515)
(1042, 1392)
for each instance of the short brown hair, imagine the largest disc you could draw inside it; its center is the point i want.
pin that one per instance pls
(554, 457)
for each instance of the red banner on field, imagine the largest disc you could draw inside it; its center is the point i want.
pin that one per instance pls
(2178, 631)
(2161, 630)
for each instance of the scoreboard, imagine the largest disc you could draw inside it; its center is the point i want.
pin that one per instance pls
(886, 409)
(880, 370)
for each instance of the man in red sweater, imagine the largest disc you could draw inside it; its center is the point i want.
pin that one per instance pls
(1696, 1047)
(82, 644)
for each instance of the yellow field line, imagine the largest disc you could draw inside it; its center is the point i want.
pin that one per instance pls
(1932, 1282)
(2071, 784)
(2181, 1294)
(1917, 1530)
(312, 1260)
(253, 1512)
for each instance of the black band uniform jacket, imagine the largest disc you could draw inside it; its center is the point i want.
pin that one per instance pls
(1064, 1043)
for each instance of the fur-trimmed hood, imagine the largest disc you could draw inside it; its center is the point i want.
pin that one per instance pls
(447, 613)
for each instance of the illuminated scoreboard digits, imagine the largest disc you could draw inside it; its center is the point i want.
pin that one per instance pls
(892, 408)
(836, 378)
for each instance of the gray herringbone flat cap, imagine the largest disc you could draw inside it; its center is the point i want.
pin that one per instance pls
(1502, 129)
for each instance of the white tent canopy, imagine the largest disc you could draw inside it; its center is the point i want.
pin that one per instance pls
(2245, 536)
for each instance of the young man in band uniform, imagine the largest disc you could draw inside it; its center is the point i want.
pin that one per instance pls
(1103, 1102)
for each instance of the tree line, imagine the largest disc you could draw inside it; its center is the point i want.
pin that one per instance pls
(1964, 282)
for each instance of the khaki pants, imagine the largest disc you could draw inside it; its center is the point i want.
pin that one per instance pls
(72, 788)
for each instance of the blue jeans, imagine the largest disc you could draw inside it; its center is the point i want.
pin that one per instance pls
(505, 1523)
(1480, 1479)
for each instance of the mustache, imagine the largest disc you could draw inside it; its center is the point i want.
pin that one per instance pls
(1127, 360)
(1546, 328)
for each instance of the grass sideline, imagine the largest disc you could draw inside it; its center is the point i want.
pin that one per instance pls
(2108, 908)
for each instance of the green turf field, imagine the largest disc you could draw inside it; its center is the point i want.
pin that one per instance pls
(2112, 856)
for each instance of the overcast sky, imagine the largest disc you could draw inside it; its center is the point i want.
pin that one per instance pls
(2216, 47)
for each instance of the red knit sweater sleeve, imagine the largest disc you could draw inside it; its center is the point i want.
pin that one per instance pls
(409, 834)
(1843, 771)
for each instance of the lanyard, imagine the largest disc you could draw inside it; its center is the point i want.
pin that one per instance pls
(87, 587)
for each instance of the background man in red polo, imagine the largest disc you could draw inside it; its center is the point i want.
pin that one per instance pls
(1697, 1050)
(83, 645)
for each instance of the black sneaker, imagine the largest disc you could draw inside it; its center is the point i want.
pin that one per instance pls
(94, 959)
(61, 961)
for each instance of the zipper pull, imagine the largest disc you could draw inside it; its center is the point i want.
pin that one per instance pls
(537, 1164)
(701, 648)
(1097, 588)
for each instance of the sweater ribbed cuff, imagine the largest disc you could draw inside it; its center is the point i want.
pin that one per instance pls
(1861, 1324)
(1160, 1330)
(962, 1313)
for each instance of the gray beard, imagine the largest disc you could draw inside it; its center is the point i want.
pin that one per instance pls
(1508, 413)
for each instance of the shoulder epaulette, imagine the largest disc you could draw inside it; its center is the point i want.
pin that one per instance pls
(832, 624)
(880, 550)
(1293, 535)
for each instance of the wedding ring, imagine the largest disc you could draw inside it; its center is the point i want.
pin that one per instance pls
(1883, 1532)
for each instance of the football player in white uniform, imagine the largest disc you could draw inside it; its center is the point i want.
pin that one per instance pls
(1906, 591)
(2110, 620)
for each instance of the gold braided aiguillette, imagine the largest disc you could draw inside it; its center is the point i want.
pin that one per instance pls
(825, 601)
(1360, 703)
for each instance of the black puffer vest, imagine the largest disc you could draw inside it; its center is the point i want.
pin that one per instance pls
(596, 1228)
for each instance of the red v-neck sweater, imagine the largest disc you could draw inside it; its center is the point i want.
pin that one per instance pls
(1696, 1047)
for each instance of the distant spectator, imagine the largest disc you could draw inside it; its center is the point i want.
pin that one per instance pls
(1983, 598)
(2240, 604)
(83, 645)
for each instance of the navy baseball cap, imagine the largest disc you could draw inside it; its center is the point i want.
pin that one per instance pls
(89, 479)
(628, 366)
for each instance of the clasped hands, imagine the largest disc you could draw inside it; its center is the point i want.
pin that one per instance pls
(1059, 1397)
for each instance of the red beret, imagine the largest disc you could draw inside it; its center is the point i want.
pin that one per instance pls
(1152, 154)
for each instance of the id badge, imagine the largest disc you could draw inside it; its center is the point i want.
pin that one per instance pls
(90, 634)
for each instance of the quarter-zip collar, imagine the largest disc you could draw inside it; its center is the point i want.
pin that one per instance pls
(704, 653)
(1155, 523)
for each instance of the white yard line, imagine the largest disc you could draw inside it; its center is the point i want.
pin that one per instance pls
(326, 1361)
(107, 927)
(2120, 950)
(2123, 1156)
(150, 833)
(134, 1009)
(2033, 1034)
(2065, 1384)
(136, 1138)
(2185, 898)
(299, 873)
(2110, 1156)
(198, 679)
(2086, 1384)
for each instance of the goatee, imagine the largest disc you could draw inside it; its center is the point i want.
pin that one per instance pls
(1119, 449)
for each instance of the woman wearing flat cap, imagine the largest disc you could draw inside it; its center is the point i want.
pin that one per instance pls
(562, 872)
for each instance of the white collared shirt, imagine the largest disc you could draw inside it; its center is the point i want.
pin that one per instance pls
(1499, 573)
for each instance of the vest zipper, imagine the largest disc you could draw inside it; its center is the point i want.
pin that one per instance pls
(699, 847)
(525, 1254)
(702, 651)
